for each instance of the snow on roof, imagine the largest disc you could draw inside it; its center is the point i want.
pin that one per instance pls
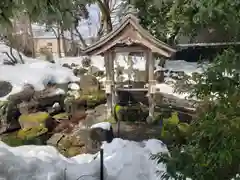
(122, 160)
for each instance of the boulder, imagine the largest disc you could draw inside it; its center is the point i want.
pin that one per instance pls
(55, 139)
(89, 83)
(66, 65)
(49, 96)
(39, 119)
(9, 114)
(79, 72)
(32, 133)
(101, 132)
(5, 88)
(25, 95)
(72, 145)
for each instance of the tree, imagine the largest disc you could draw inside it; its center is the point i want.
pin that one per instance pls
(167, 19)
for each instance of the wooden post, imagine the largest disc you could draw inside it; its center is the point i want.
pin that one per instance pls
(108, 84)
(111, 65)
(146, 65)
(101, 165)
(151, 84)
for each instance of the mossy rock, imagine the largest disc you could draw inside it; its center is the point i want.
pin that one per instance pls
(12, 140)
(93, 98)
(61, 116)
(30, 133)
(73, 151)
(34, 120)
(65, 143)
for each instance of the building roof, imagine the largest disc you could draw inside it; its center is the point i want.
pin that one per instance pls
(130, 32)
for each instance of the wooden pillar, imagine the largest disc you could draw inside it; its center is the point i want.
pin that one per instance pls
(151, 85)
(111, 66)
(146, 66)
(108, 83)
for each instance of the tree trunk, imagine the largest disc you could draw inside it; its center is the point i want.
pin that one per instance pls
(73, 44)
(32, 38)
(58, 36)
(81, 38)
(64, 45)
(105, 10)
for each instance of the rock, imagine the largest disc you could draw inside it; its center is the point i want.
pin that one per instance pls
(5, 88)
(31, 133)
(66, 65)
(55, 139)
(48, 97)
(9, 114)
(100, 134)
(61, 116)
(25, 95)
(89, 83)
(79, 72)
(74, 86)
(28, 107)
(73, 145)
(39, 119)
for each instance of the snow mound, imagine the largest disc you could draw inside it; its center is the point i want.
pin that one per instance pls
(35, 72)
(122, 160)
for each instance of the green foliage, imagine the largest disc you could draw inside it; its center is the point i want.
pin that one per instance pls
(167, 19)
(212, 147)
(173, 131)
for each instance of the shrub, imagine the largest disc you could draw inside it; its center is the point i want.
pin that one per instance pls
(212, 148)
(86, 62)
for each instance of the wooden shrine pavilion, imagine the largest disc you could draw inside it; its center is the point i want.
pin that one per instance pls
(129, 37)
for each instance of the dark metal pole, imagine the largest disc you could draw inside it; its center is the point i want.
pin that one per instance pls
(101, 165)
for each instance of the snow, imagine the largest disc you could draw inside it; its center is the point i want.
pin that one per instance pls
(122, 160)
(74, 86)
(169, 89)
(102, 125)
(35, 72)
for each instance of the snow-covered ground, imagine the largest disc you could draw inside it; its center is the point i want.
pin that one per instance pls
(38, 72)
(122, 160)
(139, 63)
(34, 71)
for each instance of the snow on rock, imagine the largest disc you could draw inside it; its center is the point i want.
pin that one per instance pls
(181, 65)
(74, 86)
(35, 72)
(122, 160)
(169, 89)
(102, 125)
